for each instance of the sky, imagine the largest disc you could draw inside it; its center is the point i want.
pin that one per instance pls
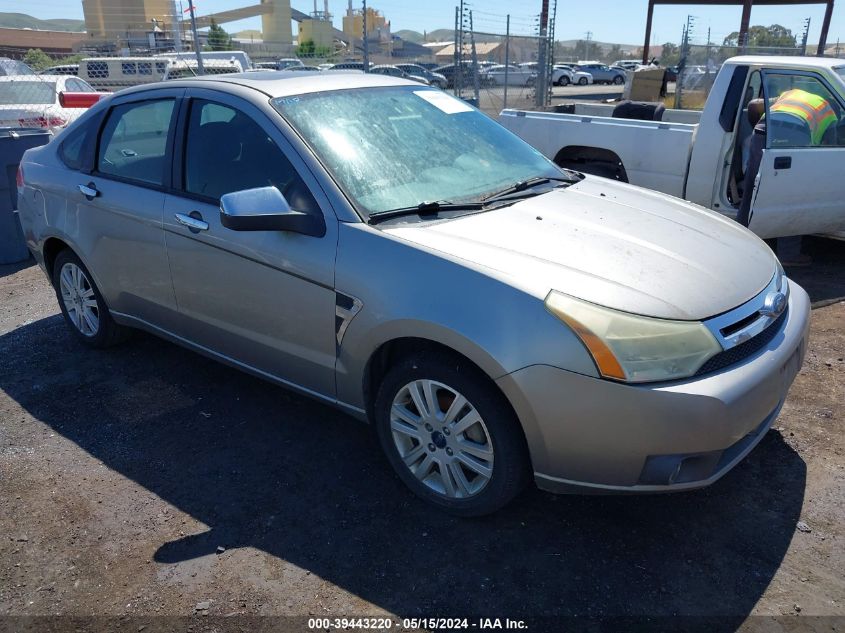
(618, 21)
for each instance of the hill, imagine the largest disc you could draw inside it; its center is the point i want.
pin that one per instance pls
(438, 35)
(24, 21)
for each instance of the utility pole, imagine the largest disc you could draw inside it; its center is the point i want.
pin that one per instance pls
(804, 36)
(682, 64)
(508, 57)
(587, 42)
(366, 43)
(540, 88)
(475, 77)
(455, 56)
(200, 67)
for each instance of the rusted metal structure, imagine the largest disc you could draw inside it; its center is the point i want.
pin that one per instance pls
(746, 16)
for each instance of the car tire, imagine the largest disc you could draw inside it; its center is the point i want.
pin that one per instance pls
(618, 80)
(82, 305)
(485, 464)
(582, 81)
(563, 81)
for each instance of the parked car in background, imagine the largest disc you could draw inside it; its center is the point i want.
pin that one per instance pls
(428, 65)
(389, 250)
(64, 69)
(433, 78)
(564, 75)
(288, 62)
(516, 75)
(302, 68)
(604, 74)
(14, 67)
(265, 65)
(241, 57)
(626, 64)
(347, 66)
(395, 71)
(33, 100)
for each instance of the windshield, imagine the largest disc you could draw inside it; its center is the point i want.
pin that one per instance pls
(396, 147)
(27, 92)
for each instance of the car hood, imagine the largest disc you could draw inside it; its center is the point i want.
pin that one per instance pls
(613, 244)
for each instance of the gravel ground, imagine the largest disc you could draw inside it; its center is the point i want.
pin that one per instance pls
(146, 480)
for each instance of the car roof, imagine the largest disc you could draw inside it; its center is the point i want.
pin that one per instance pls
(280, 84)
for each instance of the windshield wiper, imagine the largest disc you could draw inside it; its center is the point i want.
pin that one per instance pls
(525, 185)
(425, 208)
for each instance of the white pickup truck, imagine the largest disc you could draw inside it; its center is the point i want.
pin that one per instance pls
(702, 156)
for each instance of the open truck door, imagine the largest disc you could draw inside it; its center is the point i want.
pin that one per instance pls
(800, 188)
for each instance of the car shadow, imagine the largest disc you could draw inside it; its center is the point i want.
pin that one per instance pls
(11, 269)
(266, 468)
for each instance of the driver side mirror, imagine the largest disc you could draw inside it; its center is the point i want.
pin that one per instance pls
(266, 209)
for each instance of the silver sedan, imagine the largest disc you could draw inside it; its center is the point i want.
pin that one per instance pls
(387, 249)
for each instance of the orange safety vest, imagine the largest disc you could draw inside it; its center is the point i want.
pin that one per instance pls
(812, 109)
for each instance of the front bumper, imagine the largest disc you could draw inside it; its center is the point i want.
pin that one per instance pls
(589, 434)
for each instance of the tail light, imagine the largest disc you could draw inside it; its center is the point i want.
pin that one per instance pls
(79, 99)
(43, 122)
(19, 177)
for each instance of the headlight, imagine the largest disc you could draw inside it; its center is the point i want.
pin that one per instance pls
(634, 348)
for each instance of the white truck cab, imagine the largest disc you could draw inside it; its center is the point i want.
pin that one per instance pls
(799, 188)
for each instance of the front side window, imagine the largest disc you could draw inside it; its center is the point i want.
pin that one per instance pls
(134, 141)
(801, 112)
(226, 151)
(397, 147)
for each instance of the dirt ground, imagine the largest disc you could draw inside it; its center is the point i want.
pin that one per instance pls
(148, 481)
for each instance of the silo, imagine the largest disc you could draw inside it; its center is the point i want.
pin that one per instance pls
(275, 25)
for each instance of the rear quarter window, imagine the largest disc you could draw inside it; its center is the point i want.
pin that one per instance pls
(73, 147)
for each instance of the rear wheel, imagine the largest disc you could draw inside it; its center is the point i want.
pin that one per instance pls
(563, 81)
(582, 81)
(450, 435)
(82, 305)
(618, 80)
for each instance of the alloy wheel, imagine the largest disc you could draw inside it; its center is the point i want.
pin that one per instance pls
(442, 439)
(79, 299)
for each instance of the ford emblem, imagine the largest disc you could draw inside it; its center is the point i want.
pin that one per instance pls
(775, 304)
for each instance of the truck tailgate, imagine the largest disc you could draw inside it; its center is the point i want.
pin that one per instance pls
(655, 154)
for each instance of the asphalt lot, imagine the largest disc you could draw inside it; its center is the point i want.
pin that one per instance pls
(147, 481)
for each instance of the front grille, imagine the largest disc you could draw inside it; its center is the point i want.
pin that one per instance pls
(743, 350)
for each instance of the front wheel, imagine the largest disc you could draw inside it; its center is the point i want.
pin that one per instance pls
(450, 435)
(82, 305)
(582, 81)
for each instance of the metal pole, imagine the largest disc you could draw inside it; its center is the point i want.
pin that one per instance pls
(507, 57)
(200, 67)
(805, 36)
(177, 36)
(455, 56)
(648, 30)
(541, 88)
(828, 13)
(366, 43)
(475, 77)
(743, 25)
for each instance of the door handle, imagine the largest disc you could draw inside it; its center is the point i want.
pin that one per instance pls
(89, 190)
(194, 224)
(783, 162)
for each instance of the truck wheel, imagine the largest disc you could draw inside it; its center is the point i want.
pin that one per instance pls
(450, 435)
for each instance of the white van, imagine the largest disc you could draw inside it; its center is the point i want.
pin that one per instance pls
(109, 74)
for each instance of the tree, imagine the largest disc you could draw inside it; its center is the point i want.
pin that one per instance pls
(37, 59)
(218, 39)
(671, 54)
(774, 36)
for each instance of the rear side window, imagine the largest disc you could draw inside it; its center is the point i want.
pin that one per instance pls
(72, 148)
(134, 141)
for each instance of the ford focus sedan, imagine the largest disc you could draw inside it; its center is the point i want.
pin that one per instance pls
(387, 249)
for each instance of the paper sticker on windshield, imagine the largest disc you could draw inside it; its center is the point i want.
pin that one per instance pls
(443, 101)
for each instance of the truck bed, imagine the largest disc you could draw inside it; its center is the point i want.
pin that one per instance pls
(655, 154)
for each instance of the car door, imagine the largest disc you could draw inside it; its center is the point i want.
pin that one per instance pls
(798, 190)
(264, 299)
(115, 205)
